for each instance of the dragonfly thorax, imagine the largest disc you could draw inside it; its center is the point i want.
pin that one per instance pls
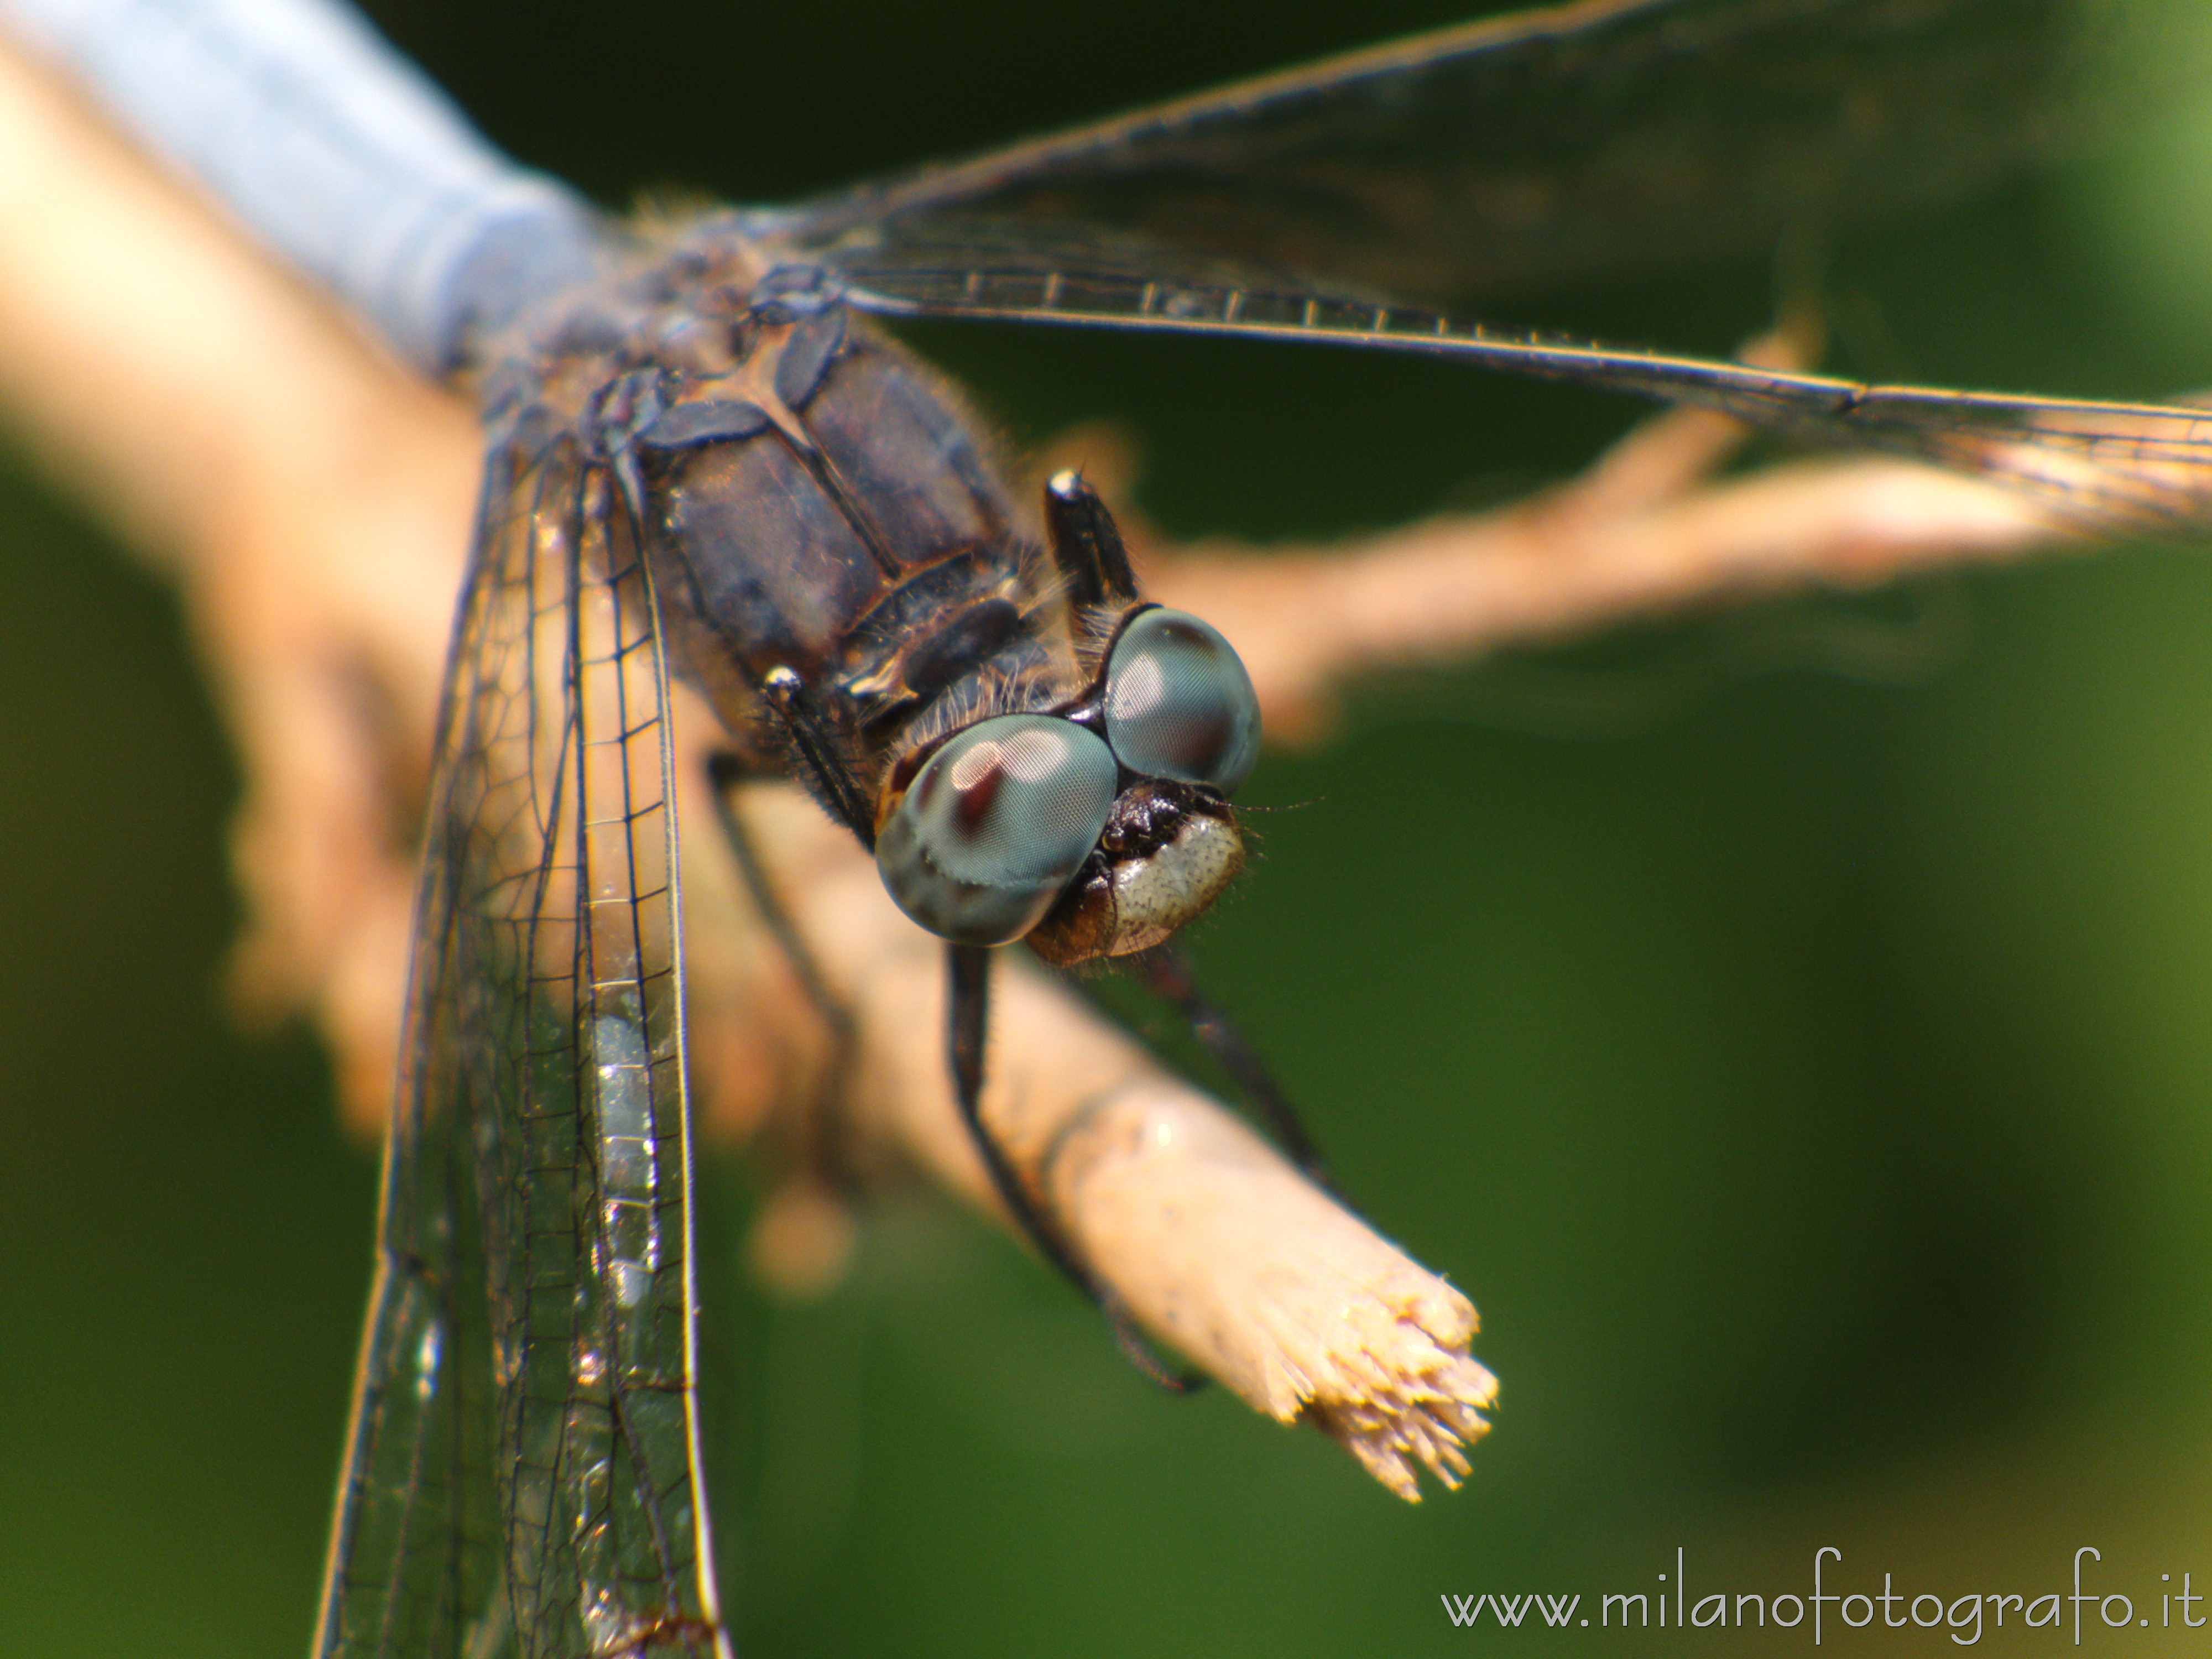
(1030, 747)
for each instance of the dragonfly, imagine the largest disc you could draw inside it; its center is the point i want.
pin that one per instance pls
(523, 1472)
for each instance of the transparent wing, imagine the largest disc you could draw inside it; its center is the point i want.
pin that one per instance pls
(2116, 468)
(522, 1476)
(1493, 157)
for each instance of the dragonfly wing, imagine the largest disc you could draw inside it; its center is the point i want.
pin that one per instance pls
(1573, 141)
(523, 1476)
(2114, 468)
(413, 1556)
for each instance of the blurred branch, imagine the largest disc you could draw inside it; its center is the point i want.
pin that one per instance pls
(311, 501)
(1647, 529)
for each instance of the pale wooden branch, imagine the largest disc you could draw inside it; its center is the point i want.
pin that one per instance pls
(311, 501)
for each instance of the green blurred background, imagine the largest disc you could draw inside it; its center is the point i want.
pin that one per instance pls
(1790, 1028)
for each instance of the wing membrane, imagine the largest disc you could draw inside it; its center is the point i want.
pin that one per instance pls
(2116, 468)
(522, 1476)
(1496, 157)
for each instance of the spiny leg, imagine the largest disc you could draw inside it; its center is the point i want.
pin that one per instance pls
(967, 989)
(823, 749)
(1087, 544)
(1165, 971)
(824, 1142)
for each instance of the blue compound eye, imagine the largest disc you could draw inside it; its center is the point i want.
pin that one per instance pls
(1179, 703)
(995, 824)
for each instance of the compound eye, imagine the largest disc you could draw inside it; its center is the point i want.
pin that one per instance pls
(1179, 703)
(994, 825)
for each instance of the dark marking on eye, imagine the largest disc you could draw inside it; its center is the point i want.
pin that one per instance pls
(972, 806)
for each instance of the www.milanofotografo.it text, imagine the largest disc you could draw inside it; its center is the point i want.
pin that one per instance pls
(2092, 1605)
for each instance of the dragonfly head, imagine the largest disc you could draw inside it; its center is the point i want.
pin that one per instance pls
(1097, 830)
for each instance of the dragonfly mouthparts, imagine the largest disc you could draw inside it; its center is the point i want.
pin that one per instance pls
(1166, 853)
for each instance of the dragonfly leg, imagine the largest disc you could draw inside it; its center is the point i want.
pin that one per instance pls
(1087, 544)
(1165, 971)
(968, 968)
(825, 749)
(826, 1136)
